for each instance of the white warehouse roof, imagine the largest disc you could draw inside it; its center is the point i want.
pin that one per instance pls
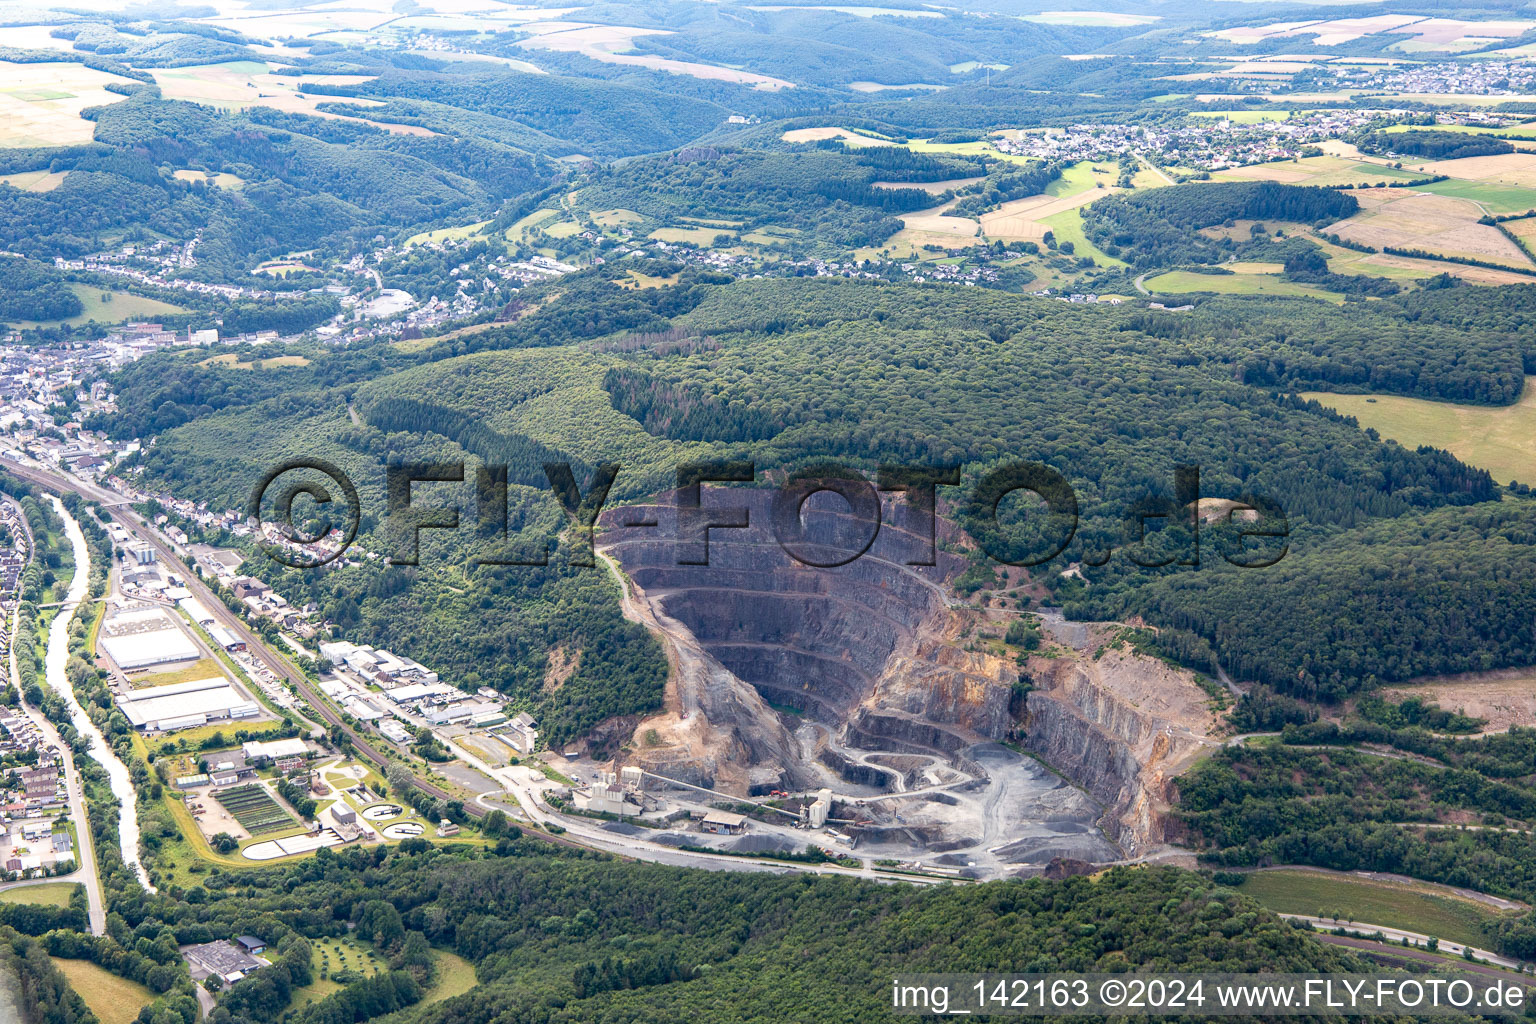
(156, 647)
(161, 706)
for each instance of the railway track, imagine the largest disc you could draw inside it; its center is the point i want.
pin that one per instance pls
(120, 513)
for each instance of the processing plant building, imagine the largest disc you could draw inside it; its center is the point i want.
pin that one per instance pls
(184, 705)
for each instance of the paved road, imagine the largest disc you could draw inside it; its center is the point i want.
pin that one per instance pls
(578, 833)
(86, 871)
(1399, 934)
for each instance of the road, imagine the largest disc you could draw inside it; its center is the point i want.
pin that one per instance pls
(1398, 935)
(86, 872)
(578, 834)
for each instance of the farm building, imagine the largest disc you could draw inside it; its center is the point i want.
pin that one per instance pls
(181, 705)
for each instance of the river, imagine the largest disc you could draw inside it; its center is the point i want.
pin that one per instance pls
(58, 657)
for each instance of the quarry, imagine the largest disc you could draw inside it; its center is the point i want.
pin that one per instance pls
(942, 747)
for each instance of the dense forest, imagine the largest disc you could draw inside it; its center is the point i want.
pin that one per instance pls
(798, 370)
(1433, 145)
(35, 291)
(1158, 227)
(579, 938)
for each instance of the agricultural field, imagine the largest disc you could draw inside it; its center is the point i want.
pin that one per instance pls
(1500, 439)
(1408, 219)
(236, 85)
(1318, 170)
(1182, 281)
(616, 218)
(35, 181)
(255, 809)
(1492, 197)
(40, 103)
(848, 136)
(114, 999)
(234, 362)
(1067, 226)
(1502, 169)
(701, 237)
(48, 894)
(520, 231)
(1413, 907)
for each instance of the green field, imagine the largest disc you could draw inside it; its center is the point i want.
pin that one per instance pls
(455, 975)
(1182, 281)
(1067, 226)
(447, 234)
(1495, 198)
(114, 1000)
(49, 894)
(1500, 439)
(1396, 906)
(203, 668)
(120, 307)
(695, 236)
(1244, 116)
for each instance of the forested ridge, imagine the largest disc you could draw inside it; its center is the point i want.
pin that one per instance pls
(800, 370)
(582, 938)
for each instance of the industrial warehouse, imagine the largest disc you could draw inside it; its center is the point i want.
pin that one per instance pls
(184, 705)
(142, 637)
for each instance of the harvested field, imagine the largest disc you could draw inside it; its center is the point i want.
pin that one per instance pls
(240, 84)
(611, 43)
(1504, 168)
(937, 221)
(40, 104)
(1504, 698)
(1317, 170)
(1407, 219)
(35, 181)
(850, 138)
(1024, 218)
(1324, 33)
(1456, 34)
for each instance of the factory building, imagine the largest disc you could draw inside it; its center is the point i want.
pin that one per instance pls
(183, 705)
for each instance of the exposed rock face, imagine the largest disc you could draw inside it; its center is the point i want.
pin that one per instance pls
(862, 642)
(1122, 726)
(867, 678)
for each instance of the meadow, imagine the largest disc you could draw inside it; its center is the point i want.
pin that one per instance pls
(110, 307)
(1411, 908)
(49, 894)
(1183, 281)
(113, 999)
(1500, 439)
